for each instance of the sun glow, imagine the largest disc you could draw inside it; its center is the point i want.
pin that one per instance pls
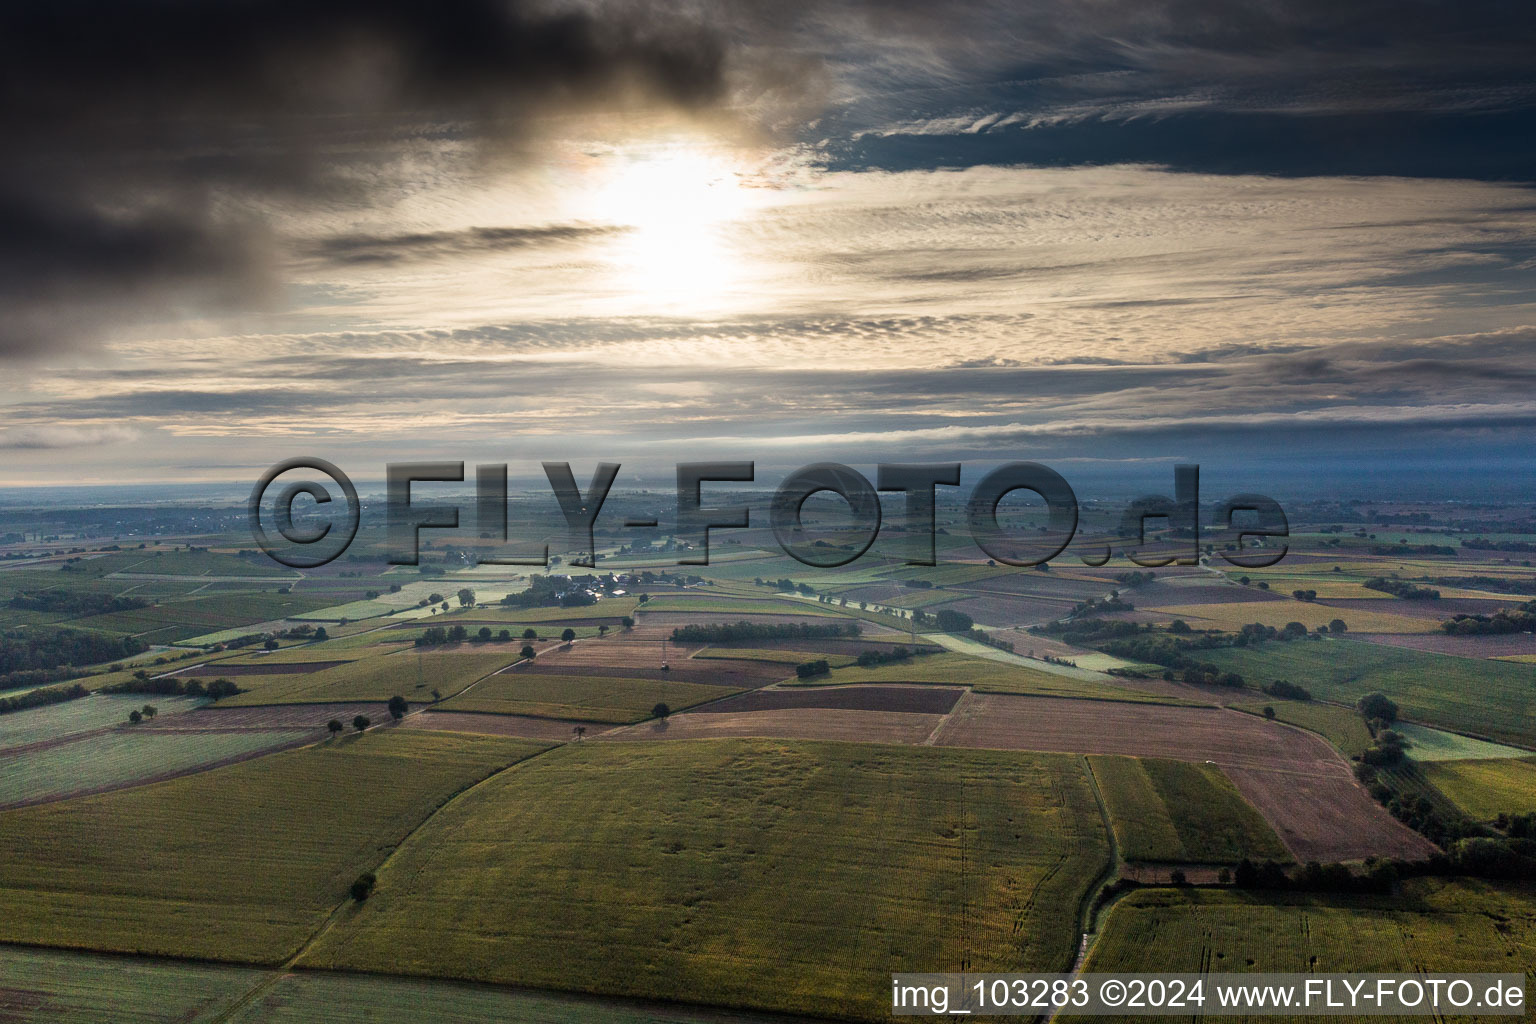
(677, 203)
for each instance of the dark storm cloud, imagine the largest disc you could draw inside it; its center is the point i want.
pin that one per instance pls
(136, 131)
(1421, 88)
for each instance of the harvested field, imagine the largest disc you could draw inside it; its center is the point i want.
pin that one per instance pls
(522, 726)
(273, 668)
(1438, 611)
(41, 726)
(1010, 722)
(1502, 645)
(1012, 611)
(1327, 818)
(1193, 593)
(1304, 789)
(926, 700)
(853, 646)
(613, 699)
(671, 620)
(1486, 789)
(789, 724)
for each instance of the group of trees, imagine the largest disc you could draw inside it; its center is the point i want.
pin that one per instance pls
(436, 636)
(1287, 691)
(1402, 588)
(870, 658)
(811, 669)
(42, 698)
(725, 632)
(33, 655)
(1509, 620)
(172, 686)
(70, 602)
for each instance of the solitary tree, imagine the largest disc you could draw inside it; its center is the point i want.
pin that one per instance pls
(485, 633)
(530, 633)
(150, 712)
(335, 726)
(363, 886)
(361, 722)
(504, 635)
(321, 634)
(627, 622)
(661, 711)
(437, 694)
(397, 707)
(602, 630)
(135, 717)
(568, 634)
(527, 652)
(1269, 712)
(580, 731)
(1338, 626)
(466, 598)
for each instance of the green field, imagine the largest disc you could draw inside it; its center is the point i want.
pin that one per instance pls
(1426, 744)
(237, 863)
(684, 857)
(1486, 789)
(1343, 727)
(194, 616)
(985, 677)
(1480, 696)
(411, 673)
(1436, 926)
(52, 986)
(122, 757)
(100, 711)
(611, 699)
(1172, 811)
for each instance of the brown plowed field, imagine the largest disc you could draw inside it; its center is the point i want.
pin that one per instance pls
(1463, 646)
(789, 724)
(498, 725)
(1301, 785)
(1325, 818)
(639, 660)
(925, 700)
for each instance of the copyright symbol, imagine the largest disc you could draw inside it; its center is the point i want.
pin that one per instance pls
(283, 510)
(1112, 993)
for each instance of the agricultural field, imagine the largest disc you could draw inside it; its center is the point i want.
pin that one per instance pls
(986, 676)
(47, 986)
(1176, 812)
(127, 756)
(186, 618)
(1478, 696)
(587, 698)
(715, 833)
(44, 725)
(1436, 926)
(1235, 615)
(176, 867)
(1486, 789)
(1426, 744)
(411, 673)
(1301, 785)
(1344, 727)
(782, 657)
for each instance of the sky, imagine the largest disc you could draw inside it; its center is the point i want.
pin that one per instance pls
(1285, 238)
